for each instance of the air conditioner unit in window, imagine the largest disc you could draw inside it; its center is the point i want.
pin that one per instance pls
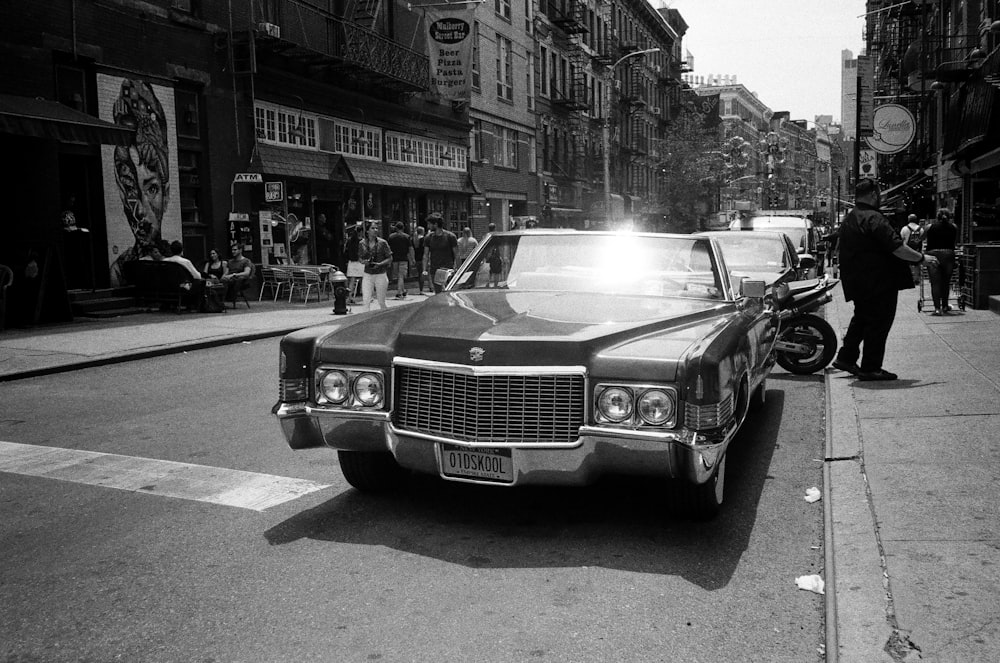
(655, 110)
(618, 85)
(270, 29)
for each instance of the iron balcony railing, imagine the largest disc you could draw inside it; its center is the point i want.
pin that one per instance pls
(344, 42)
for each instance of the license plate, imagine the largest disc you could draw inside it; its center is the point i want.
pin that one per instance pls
(485, 464)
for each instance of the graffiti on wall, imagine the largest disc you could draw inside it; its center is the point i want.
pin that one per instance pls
(138, 177)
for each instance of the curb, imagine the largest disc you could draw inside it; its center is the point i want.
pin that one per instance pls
(176, 348)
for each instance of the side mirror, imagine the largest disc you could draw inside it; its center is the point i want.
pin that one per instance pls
(806, 261)
(755, 289)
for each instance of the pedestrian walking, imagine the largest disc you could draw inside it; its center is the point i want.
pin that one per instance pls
(440, 250)
(355, 268)
(873, 269)
(913, 235)
(376, 256)
(417, 240)
(941, 238)
(466, 245)
(402, 258)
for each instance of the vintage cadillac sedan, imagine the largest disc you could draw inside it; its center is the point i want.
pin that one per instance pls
(551, 357)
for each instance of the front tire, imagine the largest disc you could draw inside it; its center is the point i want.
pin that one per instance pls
(701, 501)
(371, 472)
(814, 332)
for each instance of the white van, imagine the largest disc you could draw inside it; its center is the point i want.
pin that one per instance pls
(798, 228)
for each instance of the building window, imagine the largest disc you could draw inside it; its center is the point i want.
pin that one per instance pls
(413, 150)
(477, 140)
(283, 126)
(543, 60)
(502, 8)
(531, 80)
(505, 68)
(476, 77)
(528, 17)
(189, 171)
(188, 114)
(507, 154)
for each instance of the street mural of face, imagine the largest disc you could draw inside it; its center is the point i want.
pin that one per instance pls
(142, 169)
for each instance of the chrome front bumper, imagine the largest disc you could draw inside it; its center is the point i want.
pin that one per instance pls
(597, 452)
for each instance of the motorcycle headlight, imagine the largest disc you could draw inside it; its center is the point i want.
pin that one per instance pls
(656, 407)
(335, 386)
(368, 389)
(615, 404)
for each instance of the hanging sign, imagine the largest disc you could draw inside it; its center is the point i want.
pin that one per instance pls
(248, 178)
(274, 192)
(893, 129)
(867, 165)
(449, 46)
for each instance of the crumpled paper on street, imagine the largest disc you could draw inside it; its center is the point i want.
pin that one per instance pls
(811, 583)
(812, 495)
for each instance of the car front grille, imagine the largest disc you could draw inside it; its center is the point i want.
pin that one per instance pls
(515, 408)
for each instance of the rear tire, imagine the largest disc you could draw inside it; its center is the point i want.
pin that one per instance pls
(814, 331)
(701, 501)
(371, 472)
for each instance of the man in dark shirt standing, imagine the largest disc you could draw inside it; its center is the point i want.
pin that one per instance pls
(440, 253)
(873, 269)
(941, 238)
(402, 257)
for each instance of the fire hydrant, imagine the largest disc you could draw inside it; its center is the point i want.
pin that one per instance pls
(339, 282)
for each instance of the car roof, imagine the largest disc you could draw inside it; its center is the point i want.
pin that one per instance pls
(776, 234)
(784, 221)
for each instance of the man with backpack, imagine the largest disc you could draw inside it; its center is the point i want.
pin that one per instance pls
(913, 236)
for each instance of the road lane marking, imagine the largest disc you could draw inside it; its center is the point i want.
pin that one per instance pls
(167, 478)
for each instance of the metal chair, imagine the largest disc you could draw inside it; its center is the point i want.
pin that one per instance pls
(304, 280)
(324, 279)
(268, 282)
(282, 280)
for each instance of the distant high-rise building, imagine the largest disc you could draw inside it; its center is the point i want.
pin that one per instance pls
(848, 94)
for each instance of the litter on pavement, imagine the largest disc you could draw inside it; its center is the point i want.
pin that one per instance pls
(811, 583)
(812, 495)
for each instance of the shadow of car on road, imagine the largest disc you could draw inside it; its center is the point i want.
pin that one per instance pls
(620, 523)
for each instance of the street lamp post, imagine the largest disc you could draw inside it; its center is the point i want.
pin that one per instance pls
(606, 131)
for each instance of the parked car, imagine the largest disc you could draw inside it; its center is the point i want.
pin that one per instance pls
(768, 256)
(799, 229)
(589, 354)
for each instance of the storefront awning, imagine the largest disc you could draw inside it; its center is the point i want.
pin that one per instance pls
(300, 163)
(381, 173)
(896, 191)
(39, 118)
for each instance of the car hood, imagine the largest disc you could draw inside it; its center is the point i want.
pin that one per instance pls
(530, 328)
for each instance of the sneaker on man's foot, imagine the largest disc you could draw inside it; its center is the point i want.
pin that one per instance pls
(880, 374)
(841, 365)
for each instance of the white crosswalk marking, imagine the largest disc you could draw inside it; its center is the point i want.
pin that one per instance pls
(246, 490)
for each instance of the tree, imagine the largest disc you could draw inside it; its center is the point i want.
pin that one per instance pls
(691, 166)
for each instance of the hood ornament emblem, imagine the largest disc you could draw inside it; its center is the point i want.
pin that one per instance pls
(476, 354)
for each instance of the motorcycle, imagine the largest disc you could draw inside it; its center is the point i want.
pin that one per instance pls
(805, 342)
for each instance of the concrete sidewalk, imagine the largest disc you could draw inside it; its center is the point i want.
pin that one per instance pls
(912, 483)
(911, 468)
(94, 342)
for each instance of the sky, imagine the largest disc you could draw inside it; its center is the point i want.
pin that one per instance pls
(787, 51)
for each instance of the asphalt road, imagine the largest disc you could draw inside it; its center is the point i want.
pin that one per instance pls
(437, 572)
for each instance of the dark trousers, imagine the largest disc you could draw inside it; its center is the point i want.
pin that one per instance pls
(940, 276)
(870, 325)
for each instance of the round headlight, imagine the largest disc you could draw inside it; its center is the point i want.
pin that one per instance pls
(368, 389)
(335, 386)
(656, 407)
(615, 403)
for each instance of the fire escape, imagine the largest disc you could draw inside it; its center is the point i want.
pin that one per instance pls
(570, 17)
(347, 50)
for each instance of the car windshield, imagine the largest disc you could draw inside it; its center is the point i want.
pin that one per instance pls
(621, 264)
(748, 252)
